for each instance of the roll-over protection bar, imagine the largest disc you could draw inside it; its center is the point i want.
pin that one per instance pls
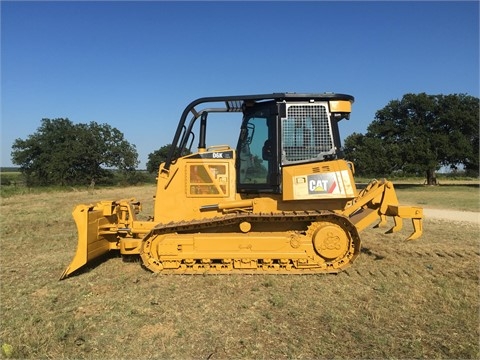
(234, 104)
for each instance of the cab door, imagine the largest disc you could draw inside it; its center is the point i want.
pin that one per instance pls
(257, 150)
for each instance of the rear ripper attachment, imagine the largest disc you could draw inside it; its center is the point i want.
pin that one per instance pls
(283, 200)
(379, 200)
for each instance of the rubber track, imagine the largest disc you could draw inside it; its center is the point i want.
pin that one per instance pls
(199, 225)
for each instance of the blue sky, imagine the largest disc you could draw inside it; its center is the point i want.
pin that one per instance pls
(136, 65)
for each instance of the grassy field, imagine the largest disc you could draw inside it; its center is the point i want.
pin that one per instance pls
(456, 197)
(400, 299)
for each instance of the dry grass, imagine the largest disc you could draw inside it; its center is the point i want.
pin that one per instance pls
(399, 300)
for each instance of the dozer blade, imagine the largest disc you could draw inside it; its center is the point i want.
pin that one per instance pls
(91, 244)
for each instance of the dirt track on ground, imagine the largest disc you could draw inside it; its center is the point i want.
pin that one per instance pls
(453, 215)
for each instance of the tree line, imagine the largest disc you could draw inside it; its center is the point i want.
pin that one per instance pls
(415, 135)
(63, 153)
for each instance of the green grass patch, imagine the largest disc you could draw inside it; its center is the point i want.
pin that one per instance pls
(455, 197)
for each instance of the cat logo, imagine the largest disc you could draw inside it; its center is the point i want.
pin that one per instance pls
(321, 184)
(318, 185)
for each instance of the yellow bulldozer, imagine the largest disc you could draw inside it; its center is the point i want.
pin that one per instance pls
(284, 200)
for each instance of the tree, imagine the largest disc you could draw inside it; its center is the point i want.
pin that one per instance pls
(61, 153)
(419, 134)
(366, 153)
(159, 156)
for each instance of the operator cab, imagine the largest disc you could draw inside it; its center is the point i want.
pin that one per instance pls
(278, 130)
(275, 134)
